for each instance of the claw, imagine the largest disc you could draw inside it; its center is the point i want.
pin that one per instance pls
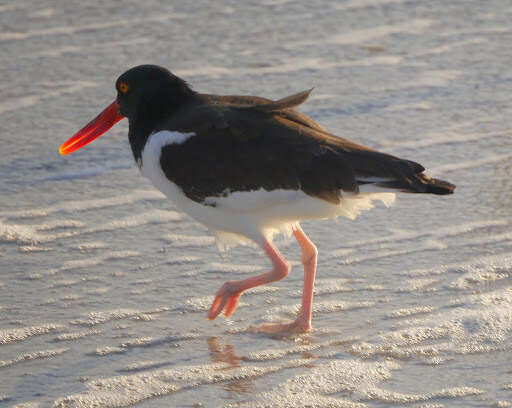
(226, 299)
(232, 304)
(214, 309)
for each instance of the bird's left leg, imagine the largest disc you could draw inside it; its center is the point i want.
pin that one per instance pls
(228, 295)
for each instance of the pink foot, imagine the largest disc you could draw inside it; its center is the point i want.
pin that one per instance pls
(226, 299)
(228, 295)
(299, 326)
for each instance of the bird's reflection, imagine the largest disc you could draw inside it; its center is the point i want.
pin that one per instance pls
(221, 352)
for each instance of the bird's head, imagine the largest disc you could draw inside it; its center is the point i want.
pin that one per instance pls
(147, 91)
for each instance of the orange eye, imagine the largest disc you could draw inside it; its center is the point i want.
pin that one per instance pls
(124, 87)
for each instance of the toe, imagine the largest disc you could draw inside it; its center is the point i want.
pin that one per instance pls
(217, 306)
(231, 304)
(226, 298)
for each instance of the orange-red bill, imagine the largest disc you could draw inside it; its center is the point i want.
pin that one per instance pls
(94, 129)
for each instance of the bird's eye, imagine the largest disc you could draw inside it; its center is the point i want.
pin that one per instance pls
(124, 87)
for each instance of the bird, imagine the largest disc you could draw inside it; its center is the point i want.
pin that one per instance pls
(248, 168)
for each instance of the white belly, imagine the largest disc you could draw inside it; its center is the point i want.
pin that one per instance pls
(245, 216)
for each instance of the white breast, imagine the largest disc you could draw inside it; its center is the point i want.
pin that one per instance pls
(150, 162)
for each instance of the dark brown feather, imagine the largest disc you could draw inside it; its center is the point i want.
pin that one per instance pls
(248, 143)
(285, 103)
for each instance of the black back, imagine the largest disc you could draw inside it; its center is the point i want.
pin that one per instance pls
(245, 143)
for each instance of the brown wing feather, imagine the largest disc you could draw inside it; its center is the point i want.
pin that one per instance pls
(238, 149)
(284, 103)
(243, 151)
(246, 102)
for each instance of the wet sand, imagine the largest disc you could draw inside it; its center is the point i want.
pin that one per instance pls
(104, 286)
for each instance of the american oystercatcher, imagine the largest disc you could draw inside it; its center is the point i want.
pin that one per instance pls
(248, 167)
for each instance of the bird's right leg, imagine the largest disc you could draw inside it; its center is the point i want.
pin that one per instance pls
(302, 323)
(228, 295)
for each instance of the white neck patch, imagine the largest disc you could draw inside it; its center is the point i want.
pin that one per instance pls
(158, 140)
(171, 137)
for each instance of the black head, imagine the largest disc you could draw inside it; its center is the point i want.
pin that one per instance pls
(145, 95)
(150, 91)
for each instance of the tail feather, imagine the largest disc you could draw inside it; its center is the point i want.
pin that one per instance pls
(374, 168)
(420, 183)
(435, 186)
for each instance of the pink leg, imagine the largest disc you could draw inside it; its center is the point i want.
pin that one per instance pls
(228, 295)
(309, 260)
(302, 323)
